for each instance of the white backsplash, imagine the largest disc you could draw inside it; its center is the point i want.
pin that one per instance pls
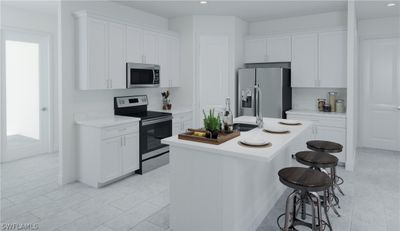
(306, 98)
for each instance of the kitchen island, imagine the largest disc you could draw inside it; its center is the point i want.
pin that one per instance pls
(228, 187)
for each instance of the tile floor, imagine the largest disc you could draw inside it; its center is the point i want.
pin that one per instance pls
(30, 194)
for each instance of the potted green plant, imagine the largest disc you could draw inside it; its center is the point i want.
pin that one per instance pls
(212, 124)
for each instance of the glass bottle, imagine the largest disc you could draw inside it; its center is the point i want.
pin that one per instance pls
(228, 116)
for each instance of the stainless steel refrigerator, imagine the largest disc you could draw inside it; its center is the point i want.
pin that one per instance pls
(276, 91)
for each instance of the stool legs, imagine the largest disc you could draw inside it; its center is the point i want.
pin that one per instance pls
(335, 182)
(290, 212)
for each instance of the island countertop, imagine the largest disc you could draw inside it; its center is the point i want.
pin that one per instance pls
(234, 149)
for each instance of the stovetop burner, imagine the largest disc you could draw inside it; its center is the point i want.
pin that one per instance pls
(135, 106)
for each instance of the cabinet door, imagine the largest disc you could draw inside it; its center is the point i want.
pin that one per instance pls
(111, 159)
(134, 44)
(97, 53)
(176, 127)
(255, 50)
(175, 61)
(279, 49)
(164, 60)
(333, 59)
(150, 48)
(333, 134)
(130, 153)
(117, 55)
(304, 60)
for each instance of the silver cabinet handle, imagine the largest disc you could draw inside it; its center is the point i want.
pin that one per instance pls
(110, 83)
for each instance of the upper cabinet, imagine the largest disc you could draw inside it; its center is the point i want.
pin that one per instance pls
(304, 69)
(332, 59)
(268, 49)
(105, 46)
(319, 60)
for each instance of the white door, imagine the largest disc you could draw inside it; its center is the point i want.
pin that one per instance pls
(117, 55)
(213, 71)
(150, 48)
(279, 49)
(304, 60)
(255, 50)
(332, 59)
(134, 43)
(130, 153)
(380, 93)
(27, 99)
(111, 158)
(97, 54)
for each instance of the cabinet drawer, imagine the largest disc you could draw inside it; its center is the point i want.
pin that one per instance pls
(186, 116)
(321, 121)
(119, 130)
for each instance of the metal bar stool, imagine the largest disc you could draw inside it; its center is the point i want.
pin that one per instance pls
(328, 147)
(306, 183)
(321, 161)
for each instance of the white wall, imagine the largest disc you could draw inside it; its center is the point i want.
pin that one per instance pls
(183, 96)
(379, 28)
(191, 28)
(303, 23)
(76, 103)
(39, 22)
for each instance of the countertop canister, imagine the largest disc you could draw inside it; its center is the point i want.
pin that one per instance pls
(340, 106)
(332, 100)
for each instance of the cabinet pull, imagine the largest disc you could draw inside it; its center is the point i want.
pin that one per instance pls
(122, 142)
(110, 83)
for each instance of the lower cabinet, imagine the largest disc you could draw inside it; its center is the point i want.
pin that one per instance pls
(107, 154)
(181, 122)
(325, 128)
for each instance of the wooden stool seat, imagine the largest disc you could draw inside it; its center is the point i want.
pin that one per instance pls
(304, 179)
(317, 159)
(324, 146)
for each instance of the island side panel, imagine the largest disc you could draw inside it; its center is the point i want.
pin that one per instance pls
(220, 193)
(251, 189)
(195, 190)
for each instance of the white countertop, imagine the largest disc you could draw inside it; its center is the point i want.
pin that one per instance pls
(107, 121)
(174, 111)
(316, 113)
(234, 149)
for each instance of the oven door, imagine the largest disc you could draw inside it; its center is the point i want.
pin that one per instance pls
(151, 134)
(142, 75)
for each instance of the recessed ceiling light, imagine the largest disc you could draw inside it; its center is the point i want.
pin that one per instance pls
(203, 2)
(391, 4)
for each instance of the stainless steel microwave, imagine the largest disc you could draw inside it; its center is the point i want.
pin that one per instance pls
(142, 75)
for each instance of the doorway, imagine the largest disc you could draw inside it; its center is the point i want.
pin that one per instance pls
(380, 94)
(26, 114)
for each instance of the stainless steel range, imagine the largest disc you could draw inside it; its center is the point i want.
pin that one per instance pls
(154, 126)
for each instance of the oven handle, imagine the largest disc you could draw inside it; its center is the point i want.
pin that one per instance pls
(155, 121)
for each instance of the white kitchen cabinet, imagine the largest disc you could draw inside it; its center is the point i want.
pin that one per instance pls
(181, 122)
(93, 63)
(304, 67)
(329, 127)
(117, 55)
(332, 59)
(134, 45)
(130, 161)
(268, 49)
(105, 46)
(102, 53)
(168, 59)
(107, 153)
(150, 47)
(255, 50)
(279, 49)
(111, 159)
(319, 60)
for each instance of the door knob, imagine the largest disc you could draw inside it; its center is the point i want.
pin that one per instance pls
(44, 109)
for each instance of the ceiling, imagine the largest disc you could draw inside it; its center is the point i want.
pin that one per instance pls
(377, 9)
(44, 7)
(247, 10)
